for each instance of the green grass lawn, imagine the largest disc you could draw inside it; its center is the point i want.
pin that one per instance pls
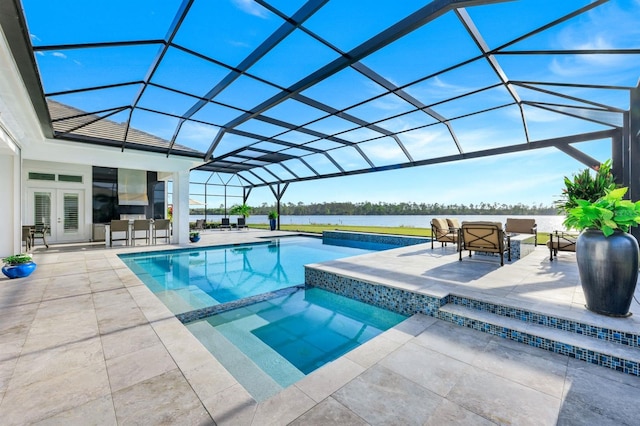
(543, 237)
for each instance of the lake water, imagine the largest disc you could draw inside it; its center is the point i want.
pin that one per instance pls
(546, 223)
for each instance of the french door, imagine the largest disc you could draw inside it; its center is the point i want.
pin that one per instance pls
(61, 210)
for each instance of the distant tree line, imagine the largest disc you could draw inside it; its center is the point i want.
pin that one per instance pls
(382, 208)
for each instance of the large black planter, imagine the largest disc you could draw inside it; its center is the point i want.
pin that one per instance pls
(608, 268)
(272, 224)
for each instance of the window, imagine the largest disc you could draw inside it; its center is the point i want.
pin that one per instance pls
(41, 176)
(70, 178)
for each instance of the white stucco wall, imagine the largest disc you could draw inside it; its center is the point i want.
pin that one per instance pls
(10, 194)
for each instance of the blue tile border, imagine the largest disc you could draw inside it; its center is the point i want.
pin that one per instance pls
(600, 333)
(393, 299)
(389, 239)
(408, 303)
(592, 357)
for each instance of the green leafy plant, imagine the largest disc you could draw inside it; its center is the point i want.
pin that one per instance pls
(585, 186)
(194, 234)
(273, 215)
(241, 210)
(17, 259)
(607, 214)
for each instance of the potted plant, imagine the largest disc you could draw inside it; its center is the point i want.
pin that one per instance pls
(18, 265)
(607, 255)
(241, 210)
(585, 186)
(273, 216)
(194, 236)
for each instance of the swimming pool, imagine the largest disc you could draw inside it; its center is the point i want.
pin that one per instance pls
(248, 305)
(191, 279)
(270, 345)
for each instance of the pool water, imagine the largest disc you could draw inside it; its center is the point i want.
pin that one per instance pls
(187, 280)
(248, 306)
(273, 344)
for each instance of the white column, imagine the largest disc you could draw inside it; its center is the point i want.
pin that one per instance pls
(181, 207)
(11, 235)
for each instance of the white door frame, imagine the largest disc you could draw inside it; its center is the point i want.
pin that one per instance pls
(56, 220)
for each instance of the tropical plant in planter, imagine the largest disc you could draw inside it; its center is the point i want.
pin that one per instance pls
(241, 210)
(585, 186)
(194, 237)
(18, 265)
(607, 255)
(273, 216)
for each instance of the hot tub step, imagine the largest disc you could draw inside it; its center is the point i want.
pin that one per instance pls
(607, 354)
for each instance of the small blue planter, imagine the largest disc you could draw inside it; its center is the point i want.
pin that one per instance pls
(19, 271)
(194, 239)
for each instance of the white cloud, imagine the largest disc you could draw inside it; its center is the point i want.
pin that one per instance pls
(59, 55)
(385, 150)
(252, 8)
(605, 27)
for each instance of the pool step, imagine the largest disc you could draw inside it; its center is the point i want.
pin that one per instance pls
(600, 331)
(607, 354)
(198, 314)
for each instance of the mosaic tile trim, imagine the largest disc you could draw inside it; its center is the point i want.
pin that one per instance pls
(520, 249)
(600, 333)
(408, 303)
(395, 240)
(397, 300)
(198, 314)
(592, 357)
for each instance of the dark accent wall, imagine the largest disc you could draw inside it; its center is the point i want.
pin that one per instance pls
(105, 196)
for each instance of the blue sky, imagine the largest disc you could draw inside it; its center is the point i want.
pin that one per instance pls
(226, 31)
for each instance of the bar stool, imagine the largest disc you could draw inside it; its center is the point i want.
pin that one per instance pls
(162, 225)
(141, 225)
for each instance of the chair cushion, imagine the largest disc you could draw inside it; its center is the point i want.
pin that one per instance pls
(482, 236)
(453, 224)
(520, 226)
(439, 223)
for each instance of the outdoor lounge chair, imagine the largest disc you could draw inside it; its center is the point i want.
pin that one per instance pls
(442, 233)
(242, 223)
(561, 241)
(453, 224)
(522, 226)
(488, 237)
(200, 225)
(224, 224)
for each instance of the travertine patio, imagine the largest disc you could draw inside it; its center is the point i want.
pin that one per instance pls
(83, 341)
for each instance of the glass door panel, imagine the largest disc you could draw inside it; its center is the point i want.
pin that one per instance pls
(70, 216)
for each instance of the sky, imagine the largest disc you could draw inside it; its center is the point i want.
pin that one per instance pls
(531, 178)
(228, 30)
